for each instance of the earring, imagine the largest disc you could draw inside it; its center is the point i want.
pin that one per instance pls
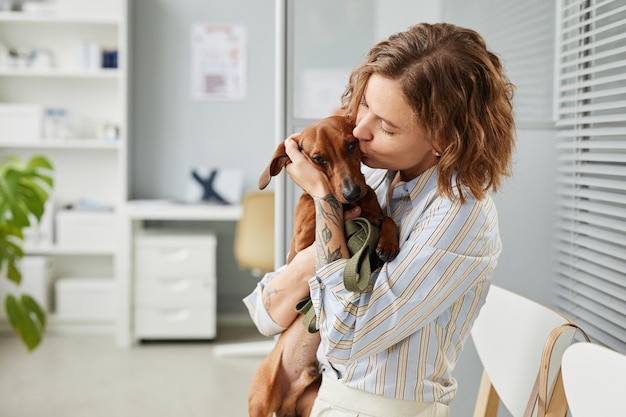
(437, 154)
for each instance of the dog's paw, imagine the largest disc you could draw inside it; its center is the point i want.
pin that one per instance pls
(387, 252)
(389, 241)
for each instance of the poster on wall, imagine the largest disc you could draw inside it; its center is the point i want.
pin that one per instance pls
(218, 55)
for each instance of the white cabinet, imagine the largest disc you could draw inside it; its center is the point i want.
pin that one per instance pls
(67, 70)
(174, 286)
(160, 296)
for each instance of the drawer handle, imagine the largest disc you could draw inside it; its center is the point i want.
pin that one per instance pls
(174, 254)
(176, 284)
(175, 314)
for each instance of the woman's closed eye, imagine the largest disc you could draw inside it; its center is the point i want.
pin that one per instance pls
(383, 130)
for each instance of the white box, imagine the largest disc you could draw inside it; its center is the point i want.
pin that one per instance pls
(85, 298)
(36, 280)
(20, 122)
(89, 8)
(95, 230)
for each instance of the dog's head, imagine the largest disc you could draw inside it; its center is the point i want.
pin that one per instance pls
(334, 150)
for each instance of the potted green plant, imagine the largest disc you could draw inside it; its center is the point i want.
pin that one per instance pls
(24, 190)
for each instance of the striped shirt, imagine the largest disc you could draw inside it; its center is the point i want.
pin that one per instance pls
(402, 337)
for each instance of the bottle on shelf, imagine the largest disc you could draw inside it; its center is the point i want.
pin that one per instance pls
(55, 124)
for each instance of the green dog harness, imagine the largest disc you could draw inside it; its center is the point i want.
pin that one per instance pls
(362, 238)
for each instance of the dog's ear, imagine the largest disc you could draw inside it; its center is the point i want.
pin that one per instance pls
(278, 162)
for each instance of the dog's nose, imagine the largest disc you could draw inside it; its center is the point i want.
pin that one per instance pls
(351, 192)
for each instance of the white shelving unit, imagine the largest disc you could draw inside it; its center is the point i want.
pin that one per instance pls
(89, 165)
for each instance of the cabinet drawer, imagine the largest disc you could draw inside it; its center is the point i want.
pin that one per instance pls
(175, 323)
(181, 289)
(175, 255)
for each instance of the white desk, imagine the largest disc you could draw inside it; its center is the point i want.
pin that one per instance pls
(134, 213)
(163, 210)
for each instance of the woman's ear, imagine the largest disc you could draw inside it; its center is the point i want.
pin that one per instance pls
(436, 148)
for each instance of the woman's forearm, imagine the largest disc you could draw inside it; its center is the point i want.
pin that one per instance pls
(330, 241)
(282, 292)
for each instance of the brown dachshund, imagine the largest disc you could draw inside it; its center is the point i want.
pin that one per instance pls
(287, 381)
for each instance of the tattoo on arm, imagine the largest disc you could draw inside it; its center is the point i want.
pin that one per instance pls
(268, 292)
(328, 218)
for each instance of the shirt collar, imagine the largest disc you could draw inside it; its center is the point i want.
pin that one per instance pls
(421, 185)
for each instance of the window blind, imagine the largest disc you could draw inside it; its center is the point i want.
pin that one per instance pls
(590, 112)
(521, 33)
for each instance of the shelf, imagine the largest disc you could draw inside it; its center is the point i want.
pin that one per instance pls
(86, 167)
(24, 17)
(104, 74)
(64, 325)
(58, 320)
(79, 144)
(77, 251)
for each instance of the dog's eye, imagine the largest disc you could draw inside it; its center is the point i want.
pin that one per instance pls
(319, 160)
(351, 146)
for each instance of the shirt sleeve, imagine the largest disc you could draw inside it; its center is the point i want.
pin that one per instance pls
(254, 303)
(445, 249)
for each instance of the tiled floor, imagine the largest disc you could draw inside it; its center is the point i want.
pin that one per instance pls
(87, 376)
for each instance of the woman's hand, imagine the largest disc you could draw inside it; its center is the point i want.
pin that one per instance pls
(353, 213)
(302, 172)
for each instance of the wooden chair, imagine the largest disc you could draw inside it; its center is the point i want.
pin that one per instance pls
(254, 235)
(254, 251)
(594, 379)
(509, 335)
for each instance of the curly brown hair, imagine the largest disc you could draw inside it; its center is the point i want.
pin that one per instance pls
(458, 93)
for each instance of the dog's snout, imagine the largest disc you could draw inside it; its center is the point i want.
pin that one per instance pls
(351, 192)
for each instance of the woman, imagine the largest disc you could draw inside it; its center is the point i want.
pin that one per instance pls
(433, 115)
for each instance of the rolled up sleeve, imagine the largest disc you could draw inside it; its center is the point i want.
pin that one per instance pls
(258, 313)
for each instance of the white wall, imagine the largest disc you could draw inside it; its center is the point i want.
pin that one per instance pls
(389, 21)
(170, 132)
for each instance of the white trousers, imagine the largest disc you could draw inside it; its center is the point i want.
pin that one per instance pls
(337, 400)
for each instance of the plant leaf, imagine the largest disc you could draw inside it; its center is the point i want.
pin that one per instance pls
(19, 216)
(9, 239)
(26, 318)
(39, 161)
(33, 308)
(24, 190)
(33, 198)
(14, 313)
(13, 273)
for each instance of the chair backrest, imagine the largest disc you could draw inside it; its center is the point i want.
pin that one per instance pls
(594, 379)
(509, 335)
(254, 234)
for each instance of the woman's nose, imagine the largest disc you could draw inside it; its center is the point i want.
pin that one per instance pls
(361, 131)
